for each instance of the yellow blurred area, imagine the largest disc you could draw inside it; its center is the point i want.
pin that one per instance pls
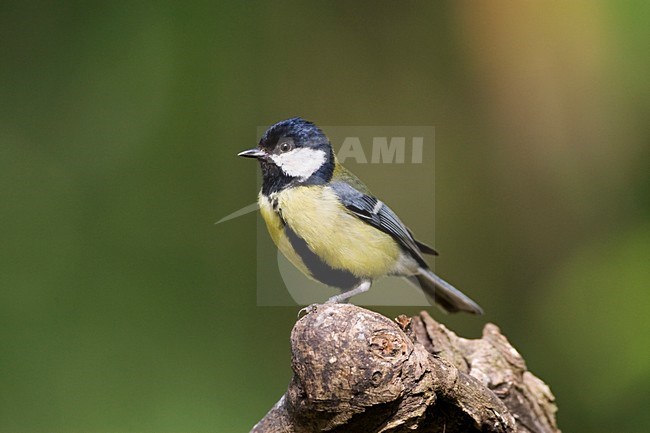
(124, 308)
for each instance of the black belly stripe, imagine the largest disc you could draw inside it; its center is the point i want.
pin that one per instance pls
(318, 268)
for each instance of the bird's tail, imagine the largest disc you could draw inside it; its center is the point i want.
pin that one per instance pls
(444, 294)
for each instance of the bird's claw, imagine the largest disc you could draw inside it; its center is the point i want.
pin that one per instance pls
(308, 309)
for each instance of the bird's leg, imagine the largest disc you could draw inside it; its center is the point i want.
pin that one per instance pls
(342, 298)
(363, 286)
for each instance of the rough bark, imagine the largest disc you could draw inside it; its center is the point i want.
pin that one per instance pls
(358, 371)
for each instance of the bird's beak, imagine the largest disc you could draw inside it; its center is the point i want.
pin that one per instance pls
(252, 153)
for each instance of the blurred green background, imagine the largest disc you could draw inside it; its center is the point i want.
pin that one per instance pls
(123, 308)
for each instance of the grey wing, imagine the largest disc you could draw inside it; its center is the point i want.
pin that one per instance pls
(377, 214)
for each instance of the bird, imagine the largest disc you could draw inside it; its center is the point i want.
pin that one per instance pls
(330, 226)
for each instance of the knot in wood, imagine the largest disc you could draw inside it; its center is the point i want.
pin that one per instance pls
(346, 355)
(387, 344)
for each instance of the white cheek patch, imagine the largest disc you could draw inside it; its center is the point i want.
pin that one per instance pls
(301, 162)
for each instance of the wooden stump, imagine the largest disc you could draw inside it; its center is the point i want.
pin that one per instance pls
(360, 372)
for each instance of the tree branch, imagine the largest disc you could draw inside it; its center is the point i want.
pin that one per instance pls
(358, 371)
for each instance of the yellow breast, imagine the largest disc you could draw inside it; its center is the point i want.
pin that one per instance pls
(340, 239)
(275, 227)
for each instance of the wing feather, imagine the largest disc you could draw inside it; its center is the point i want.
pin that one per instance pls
(380, 216)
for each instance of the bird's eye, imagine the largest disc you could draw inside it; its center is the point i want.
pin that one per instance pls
(285, 146)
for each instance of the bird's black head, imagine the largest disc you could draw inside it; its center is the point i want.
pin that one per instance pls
(292, 152)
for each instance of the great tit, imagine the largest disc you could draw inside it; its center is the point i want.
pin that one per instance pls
(329, 225)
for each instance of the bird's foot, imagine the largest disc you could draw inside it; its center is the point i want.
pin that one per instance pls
(308, 309)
